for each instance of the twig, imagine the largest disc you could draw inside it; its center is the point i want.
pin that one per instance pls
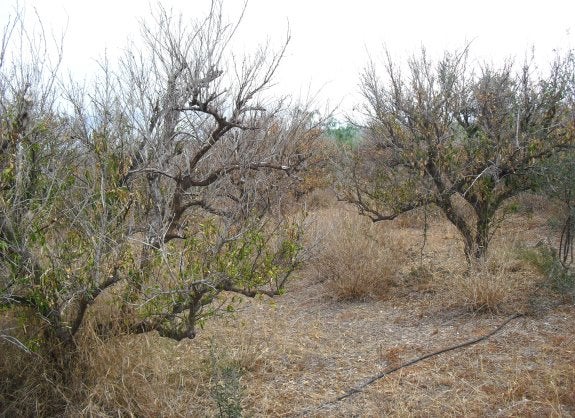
(15, 341)
(476, 178)
(381, 375)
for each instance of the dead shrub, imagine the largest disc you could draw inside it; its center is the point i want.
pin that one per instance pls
(358, 260)
(29, 386)
(106, 375)
(499, 284)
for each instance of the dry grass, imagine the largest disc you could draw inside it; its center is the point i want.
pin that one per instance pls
(27, 386)
(502, 283)
(139, 376)
(482, 291)
(357, 259)
(289, 355)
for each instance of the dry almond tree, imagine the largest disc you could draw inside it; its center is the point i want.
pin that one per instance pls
(161, 186)
(33, 158)
(463, 139)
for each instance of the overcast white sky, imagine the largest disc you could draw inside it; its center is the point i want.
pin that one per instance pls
(331, 39)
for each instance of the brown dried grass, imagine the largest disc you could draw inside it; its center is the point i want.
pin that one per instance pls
(141, 375)
(501, 283)
(302, 349)
(357, 259)
(28, 386)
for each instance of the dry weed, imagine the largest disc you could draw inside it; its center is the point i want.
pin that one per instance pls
(296, 352)
(481, 290)
(143, 375)
(29, 386)
(358, 260)
(30, 383)
(501, 283)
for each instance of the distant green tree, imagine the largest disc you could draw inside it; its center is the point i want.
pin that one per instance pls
(343, 134)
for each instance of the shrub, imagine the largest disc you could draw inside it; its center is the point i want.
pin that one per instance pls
(558, 276)
(226, 386)
(498, 284)
(356, 259)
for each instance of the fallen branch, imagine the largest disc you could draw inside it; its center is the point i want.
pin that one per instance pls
(381, 375)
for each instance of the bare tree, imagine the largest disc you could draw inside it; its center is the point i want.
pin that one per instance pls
(33, 159)
(208, 153)
(465, 141)
(160, 185)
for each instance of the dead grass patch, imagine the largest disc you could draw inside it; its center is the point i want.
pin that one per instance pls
(357, 259)
(142, 375)
(289, 355)
(502, 283)
(480, 291)
(28, 386)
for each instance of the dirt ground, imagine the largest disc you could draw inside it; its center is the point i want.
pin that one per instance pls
(308, 351)
(302, 350)
(295, 354)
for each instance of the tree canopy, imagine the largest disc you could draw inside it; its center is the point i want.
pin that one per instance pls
(158, 185)
(461, 137)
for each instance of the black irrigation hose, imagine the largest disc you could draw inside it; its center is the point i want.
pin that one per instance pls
(381, 375)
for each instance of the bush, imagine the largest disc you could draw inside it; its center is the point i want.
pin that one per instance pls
(226, 387)
(356, 259)
(558, 276)
(498, 284)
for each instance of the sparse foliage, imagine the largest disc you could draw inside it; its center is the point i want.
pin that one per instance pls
(557, 183)
(355, 260)
(158, 186)
(226, 386)
(465, 140)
